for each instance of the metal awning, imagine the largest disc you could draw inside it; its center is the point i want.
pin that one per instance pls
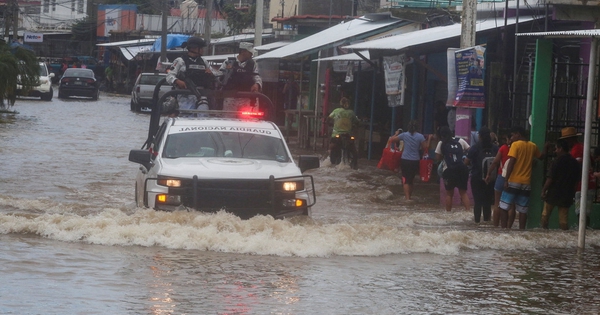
(406, 40)
(236, 39)
(129, 52)
(218, 58)
(274, 45)
(334, 36)
(556, 34)
(346, 57)
(143, 41)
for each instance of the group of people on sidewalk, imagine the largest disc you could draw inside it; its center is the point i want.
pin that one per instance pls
(501, 174)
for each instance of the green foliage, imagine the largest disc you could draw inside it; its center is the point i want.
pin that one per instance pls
(83, 30)
(238, 20)
(17, 65)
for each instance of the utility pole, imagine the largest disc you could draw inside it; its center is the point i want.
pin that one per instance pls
(15, 20)
(163, 37)
(258, 23)
(467, 39)
(468, 20)
(7, 19)
(92, 14)
(208, 21)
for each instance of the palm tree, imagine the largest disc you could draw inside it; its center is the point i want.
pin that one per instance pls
(17, 65)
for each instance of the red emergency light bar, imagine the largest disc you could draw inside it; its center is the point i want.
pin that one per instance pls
(248, 114)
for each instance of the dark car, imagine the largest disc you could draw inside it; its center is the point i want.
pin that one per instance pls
(78, 82)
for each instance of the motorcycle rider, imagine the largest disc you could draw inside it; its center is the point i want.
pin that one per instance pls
(195, 69)
(344, 120)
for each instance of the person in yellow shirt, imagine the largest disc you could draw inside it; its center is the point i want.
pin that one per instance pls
(517, 187)
(344, 121)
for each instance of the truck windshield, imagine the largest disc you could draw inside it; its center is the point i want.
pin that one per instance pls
(225, 144)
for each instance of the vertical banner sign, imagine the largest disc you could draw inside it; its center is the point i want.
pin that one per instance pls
(452, 82)
(470, 91)
(393, 67)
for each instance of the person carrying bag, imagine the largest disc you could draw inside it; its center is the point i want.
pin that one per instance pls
(390, 157)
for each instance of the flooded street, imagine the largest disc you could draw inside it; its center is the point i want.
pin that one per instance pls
(73, 242)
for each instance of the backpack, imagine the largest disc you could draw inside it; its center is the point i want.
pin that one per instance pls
(453, 153)
(487, 158)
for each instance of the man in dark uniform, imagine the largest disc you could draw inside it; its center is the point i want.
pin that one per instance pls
(195, 69)
(240, 74)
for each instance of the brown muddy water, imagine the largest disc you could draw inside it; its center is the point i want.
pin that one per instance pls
(73, 242)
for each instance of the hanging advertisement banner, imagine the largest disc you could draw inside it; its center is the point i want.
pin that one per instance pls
(112, 21)
(469, 70)
(395, 79)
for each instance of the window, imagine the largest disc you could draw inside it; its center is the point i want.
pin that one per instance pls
(53, 5)
(72, 5)
(151, 79)
(79, 6)
(46, 5)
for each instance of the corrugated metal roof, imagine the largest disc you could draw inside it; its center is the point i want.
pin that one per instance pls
(429, 35)
(331, 37)
(577, 33)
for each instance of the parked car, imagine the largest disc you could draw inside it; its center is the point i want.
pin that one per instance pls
(44, 88)
(78, 82)
(141, 95)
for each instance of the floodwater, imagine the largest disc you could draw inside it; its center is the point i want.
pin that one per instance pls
(73, 242)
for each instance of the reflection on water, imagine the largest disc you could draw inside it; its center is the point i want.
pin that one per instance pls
(73, 241)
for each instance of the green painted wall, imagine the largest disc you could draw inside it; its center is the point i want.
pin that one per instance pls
(542, 75)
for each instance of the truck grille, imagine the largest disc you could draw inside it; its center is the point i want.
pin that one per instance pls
(245, 198)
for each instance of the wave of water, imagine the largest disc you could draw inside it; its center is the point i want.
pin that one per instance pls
(438, 233)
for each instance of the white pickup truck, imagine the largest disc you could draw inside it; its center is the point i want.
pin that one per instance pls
(239, 165)
(141, 94)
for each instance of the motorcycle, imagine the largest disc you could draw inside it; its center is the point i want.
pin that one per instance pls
(344, 150)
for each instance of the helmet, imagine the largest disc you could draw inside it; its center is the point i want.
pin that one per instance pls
(194, 42)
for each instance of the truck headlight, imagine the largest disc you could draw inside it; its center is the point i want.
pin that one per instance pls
(170, 182)
(293, 186)
(289, 186)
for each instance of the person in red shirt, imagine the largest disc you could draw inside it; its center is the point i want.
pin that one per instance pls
(499, 166)
(571, 135)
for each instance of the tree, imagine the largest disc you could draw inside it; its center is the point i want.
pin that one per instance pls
(238, 20)
(17, 65)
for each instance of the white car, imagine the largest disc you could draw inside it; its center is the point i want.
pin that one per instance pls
(242, 166)
(44, 89)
